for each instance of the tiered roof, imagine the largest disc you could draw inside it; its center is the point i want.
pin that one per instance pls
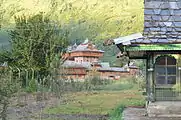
(85, 46)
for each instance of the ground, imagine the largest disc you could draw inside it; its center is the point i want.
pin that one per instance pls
(101, 104)
(140, 114)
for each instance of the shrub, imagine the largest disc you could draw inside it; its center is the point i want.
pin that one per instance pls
(177, 87)
(139, 81)
(32, 86)
(116, 114)
(8, 87)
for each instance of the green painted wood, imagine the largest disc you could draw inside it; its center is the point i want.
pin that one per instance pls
(153, 47)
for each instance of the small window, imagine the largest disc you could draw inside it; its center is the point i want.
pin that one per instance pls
(165, 70)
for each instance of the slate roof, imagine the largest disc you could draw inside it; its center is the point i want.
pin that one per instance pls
(83, 47)
(74, 64)
(162, 22)
(114, 69)
(87, 65)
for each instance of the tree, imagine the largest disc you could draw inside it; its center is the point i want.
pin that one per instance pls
(8, 87)
(36, 40)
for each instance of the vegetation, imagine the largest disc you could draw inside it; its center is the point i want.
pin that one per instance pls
(95, 102)
(38, 32)
(35, 41)
(109, 99)
(96, 20)
(88, 97)
(8, 87)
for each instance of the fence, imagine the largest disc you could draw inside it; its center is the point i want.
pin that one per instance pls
(32, 80)
(17, 83)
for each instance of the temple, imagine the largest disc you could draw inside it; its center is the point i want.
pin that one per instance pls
(82, 59)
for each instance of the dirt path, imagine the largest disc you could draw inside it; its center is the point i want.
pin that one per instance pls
(76, 116)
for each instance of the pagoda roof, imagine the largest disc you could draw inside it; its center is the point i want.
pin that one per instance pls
(85, 46)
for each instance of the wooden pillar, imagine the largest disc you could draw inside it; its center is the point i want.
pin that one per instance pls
(147, 80)
(152, 95)
(150, 77)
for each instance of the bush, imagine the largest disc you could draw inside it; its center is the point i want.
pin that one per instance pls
(32, 86)
(8, 87)
(116, 114)
(177, 87)
(139, 81)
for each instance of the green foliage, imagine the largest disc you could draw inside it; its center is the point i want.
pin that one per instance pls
(95, 19)
(32, 87)
(115, 86)
(8, 87)
(141, 82)
(116, 114)
(35, 43)
(179, 61)
(177, 87)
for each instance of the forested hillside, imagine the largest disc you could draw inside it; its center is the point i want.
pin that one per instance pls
(93, 19)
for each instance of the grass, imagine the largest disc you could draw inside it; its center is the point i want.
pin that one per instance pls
(94, 103)
(117, 86)
(109, 99)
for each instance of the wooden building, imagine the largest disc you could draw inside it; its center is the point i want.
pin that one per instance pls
(160, 46)
(82, 59)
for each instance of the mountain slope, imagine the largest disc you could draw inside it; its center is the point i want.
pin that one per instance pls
(95, 19)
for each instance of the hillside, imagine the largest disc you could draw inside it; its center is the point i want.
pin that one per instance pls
(93, 19)
(97, 19)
